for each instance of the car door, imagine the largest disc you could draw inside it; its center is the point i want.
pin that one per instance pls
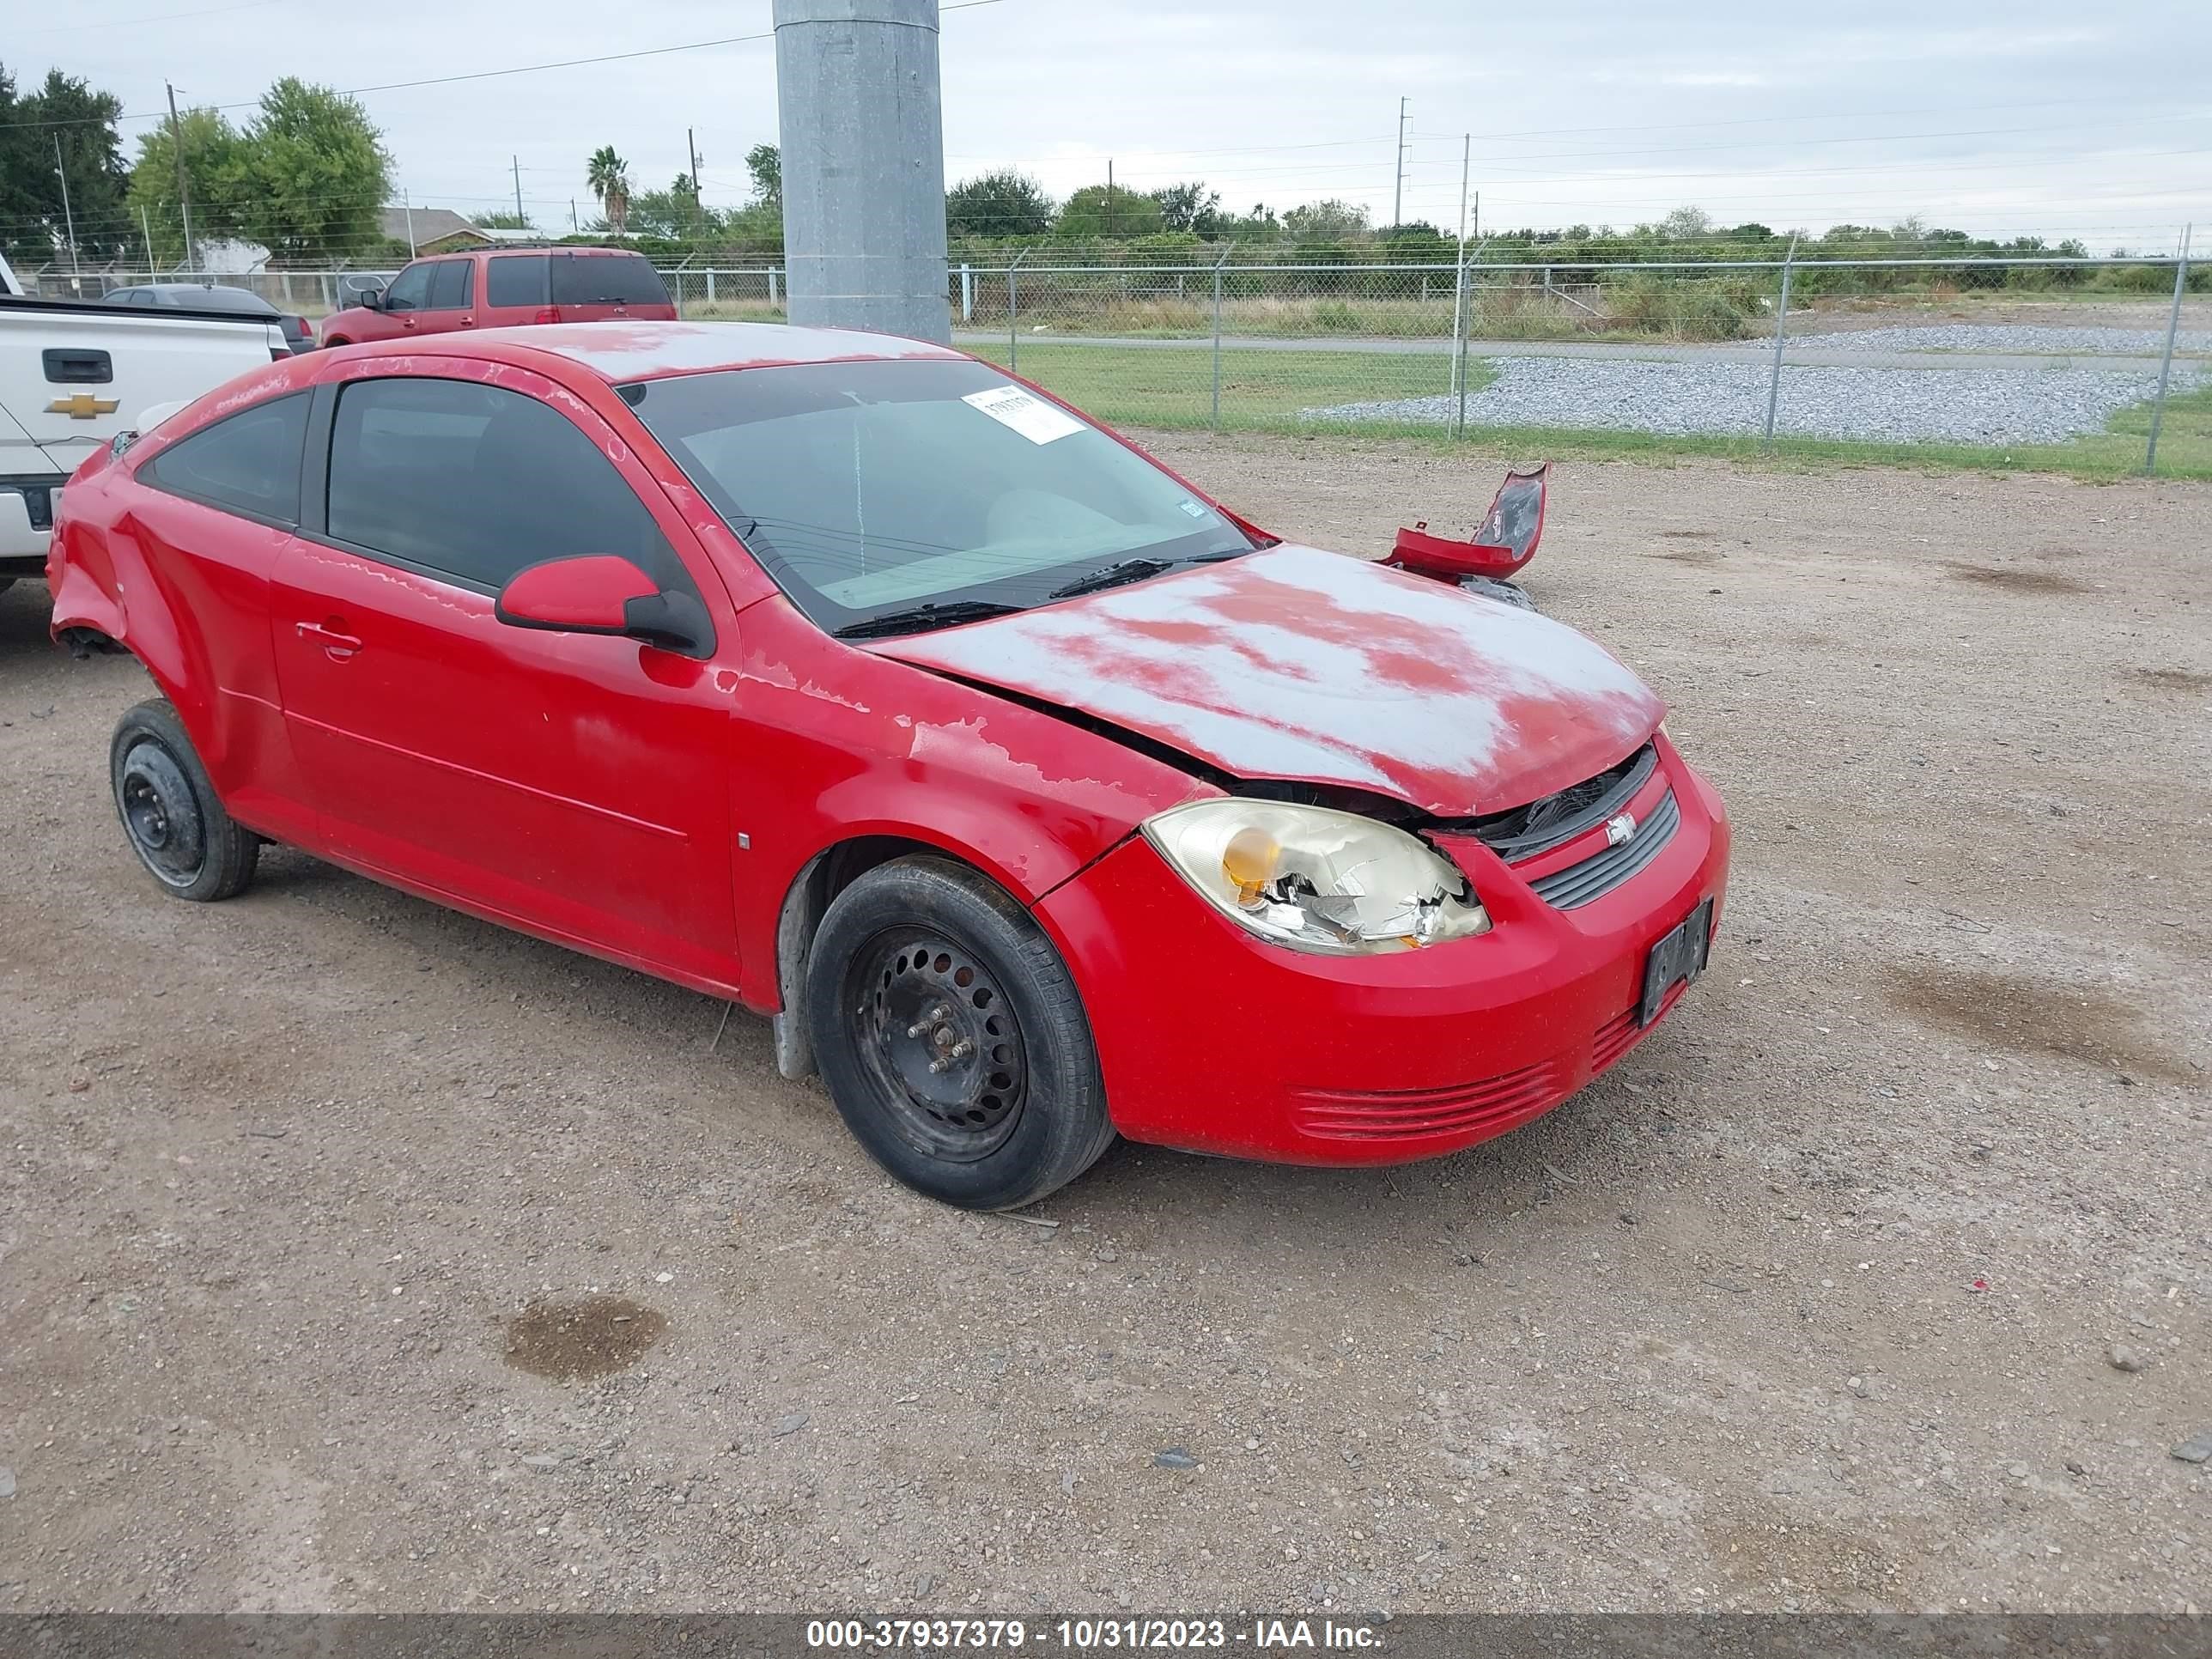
(401, 313)
(451, 299)
(564, 783)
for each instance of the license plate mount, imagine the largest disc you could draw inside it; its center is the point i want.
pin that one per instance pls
(1679, 958)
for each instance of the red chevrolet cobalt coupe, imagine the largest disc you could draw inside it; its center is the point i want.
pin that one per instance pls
(1037, 796)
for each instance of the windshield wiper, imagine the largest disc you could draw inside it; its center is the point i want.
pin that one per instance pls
(1130, 570)
(921, 618)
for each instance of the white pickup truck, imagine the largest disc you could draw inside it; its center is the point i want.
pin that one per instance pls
(74, 374)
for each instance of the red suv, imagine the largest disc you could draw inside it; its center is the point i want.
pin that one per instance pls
(503, 287)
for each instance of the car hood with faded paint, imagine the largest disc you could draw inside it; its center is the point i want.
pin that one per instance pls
(1292, 663)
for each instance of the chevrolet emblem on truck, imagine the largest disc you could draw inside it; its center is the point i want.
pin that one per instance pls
(83, 406)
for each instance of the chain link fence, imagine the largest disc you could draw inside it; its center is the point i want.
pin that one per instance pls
(2037, 359)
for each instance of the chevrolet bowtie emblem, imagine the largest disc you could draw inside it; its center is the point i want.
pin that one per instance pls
(1620, 829)
(82, 407)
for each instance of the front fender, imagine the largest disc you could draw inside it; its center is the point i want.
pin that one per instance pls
(834, 745)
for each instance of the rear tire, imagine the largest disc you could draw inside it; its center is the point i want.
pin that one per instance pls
(951, 1037)
(171, 814)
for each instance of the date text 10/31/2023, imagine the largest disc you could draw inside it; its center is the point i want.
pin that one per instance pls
(1091, 1635)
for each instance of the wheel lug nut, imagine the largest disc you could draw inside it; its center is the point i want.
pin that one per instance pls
(961, 1049)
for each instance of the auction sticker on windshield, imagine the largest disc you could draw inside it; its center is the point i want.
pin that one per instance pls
(1034, 418)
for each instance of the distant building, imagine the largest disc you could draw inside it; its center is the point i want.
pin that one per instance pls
(439, 230)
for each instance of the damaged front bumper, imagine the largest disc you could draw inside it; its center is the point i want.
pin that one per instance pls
(1213, 1041)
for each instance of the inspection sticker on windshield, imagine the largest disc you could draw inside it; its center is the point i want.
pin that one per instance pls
(1034, 418)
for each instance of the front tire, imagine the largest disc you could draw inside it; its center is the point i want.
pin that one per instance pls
(951, 1037)
(171, 814)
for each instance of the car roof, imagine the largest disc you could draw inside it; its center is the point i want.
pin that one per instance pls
(523, 249)
(618, 352)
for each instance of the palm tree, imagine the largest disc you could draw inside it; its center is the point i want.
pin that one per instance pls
(608, 176)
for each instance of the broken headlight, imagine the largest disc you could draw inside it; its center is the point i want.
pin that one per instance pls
(1316, 879)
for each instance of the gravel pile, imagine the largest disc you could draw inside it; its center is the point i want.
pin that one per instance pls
(2006, 337)
(1899, 405)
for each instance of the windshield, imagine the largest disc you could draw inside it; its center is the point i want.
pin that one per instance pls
(871, 490)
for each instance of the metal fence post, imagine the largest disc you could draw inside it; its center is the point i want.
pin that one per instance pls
(771, 285)
(1781, 316)
(967, 292)
(1218, 265)
(1013, 333)
(1462, 321)
(710, 287)
(2166, 364)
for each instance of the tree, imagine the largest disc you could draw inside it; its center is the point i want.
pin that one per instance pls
(1329, 222)
(506, 221)
(65, 114)
(1108, 213)
(1189, 206)
(1418, 242)
(313, 175)
(765, 163)
(608, 176)
(1687, 224)
(1002, 203)
(305, 179)
(213, 168)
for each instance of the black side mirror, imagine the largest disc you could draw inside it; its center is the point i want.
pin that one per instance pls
(369, 299)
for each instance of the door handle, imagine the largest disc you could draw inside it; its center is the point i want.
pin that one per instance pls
(336, 646)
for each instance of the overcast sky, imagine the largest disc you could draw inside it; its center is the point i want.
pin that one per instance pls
(2031, 116)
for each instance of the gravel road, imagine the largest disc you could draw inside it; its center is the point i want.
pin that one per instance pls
(357, 1255)
(1882, 404)
(2039, 337)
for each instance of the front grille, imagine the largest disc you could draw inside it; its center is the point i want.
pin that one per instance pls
(1600, 873)
(1540, 825)
(1497, 1104)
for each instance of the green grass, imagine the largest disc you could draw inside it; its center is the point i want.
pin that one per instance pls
(1165, 386)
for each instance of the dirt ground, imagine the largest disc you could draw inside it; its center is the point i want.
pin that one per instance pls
(356, 1254)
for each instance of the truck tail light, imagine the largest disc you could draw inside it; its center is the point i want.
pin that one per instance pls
(547, 314)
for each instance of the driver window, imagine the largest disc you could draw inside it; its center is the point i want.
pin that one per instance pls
(409, 289)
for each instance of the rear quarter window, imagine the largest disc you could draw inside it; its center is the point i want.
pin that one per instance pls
(518, 281)
(623, 279)
(247, 463)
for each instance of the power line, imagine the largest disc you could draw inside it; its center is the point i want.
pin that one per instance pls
(485, 75)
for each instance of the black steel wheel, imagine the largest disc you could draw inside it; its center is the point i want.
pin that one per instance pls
(171, 814)
(952, 1038)
(939, 1037)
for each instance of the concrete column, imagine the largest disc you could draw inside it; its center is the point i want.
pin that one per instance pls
(863, 142)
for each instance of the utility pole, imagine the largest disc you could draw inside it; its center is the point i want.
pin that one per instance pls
(68, 219)
(1109, 180)
(1478, 207)
(862, 131)
(517, 159)
(1398, 194)
(407, 206)
(184, 188)
(691, 147)
(575, 229)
